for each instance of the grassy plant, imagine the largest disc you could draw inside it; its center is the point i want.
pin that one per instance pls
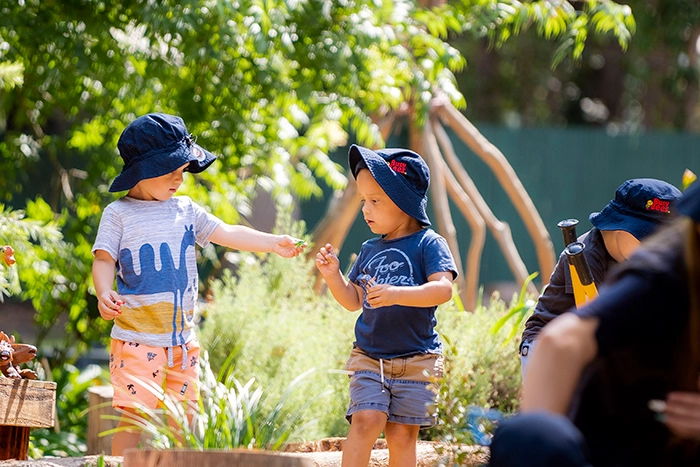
(518, 311)
(277, 329)
(482, 372)
(228, 415)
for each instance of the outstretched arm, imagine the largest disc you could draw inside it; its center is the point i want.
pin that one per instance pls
(244, 238)
(346, 293)
(564, 348)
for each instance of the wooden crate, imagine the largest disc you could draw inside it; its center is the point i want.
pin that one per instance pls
(24, 404)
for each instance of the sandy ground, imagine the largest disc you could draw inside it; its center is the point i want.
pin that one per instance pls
(426, 453)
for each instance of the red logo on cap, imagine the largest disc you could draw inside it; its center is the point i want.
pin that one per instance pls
(198, 154)
(658, 205)
(397, 166)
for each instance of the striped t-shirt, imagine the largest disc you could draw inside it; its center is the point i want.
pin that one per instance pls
(153, 244)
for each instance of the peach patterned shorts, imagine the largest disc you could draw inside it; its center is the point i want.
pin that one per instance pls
(140, 373)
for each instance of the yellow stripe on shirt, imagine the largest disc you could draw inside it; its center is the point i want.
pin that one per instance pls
(153, 319)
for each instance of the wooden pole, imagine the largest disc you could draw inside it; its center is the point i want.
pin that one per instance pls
(438, 196)
(499, 229)
(507, 178)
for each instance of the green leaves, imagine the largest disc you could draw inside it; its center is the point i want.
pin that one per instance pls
(11, 74)
(567, 23)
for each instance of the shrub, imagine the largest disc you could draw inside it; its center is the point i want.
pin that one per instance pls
(228, 415)
(277, 329)
(482, 374)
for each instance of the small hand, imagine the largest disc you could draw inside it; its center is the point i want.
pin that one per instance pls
(109, 304)
(380, 295)
(289, 247)
(682, 414)
(327, 260)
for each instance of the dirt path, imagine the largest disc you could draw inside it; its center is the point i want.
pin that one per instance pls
(324, 453)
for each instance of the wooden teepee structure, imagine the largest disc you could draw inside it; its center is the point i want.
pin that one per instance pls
(450, 181)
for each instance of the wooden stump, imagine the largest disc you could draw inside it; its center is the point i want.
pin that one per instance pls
(234, 458)
(24, 404)
(99, 405)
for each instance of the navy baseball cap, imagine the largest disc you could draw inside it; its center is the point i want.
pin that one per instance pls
(689, 204)
(154, 145)
(403, 175)
(640, 206)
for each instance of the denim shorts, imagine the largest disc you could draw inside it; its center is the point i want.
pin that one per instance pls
(404, 388)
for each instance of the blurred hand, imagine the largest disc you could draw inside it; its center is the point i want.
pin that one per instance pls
(683, 414)
(109, 304)
(327, 260)
(289, 247)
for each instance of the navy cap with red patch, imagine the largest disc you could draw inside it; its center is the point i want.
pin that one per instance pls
(403, 175)
(640, 206)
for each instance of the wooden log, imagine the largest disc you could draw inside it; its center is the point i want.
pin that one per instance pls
(24, 404)
(234, 458)
(99, 408)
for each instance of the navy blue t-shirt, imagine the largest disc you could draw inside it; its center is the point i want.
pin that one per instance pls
(398, 330)
(643, 337)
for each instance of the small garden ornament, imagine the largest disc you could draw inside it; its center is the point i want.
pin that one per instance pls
(12, 355)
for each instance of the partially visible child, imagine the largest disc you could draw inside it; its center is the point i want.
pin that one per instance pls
(398, 280)
(149, 237)
(641, 205)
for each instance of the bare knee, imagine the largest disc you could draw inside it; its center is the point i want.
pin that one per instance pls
(401, 436)
(367, 421)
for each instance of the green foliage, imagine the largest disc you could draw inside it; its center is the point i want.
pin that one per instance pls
(269, 325)
(260, 84)
(228, 415)
(33, 238)
(518, 311)
(560, 21)
(11, 75)
(482, 369)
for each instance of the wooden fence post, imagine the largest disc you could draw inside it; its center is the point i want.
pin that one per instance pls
(99, 404)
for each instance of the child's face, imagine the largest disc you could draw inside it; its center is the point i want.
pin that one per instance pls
(620, 244)
(159, 188)
(381, 214)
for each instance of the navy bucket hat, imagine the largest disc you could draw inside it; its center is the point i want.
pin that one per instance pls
(689, 204)
(154, 145)
(403, 175)
(640, 206)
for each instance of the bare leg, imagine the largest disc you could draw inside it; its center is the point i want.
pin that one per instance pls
(365, 428)
(401, 441)
(127, 439)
